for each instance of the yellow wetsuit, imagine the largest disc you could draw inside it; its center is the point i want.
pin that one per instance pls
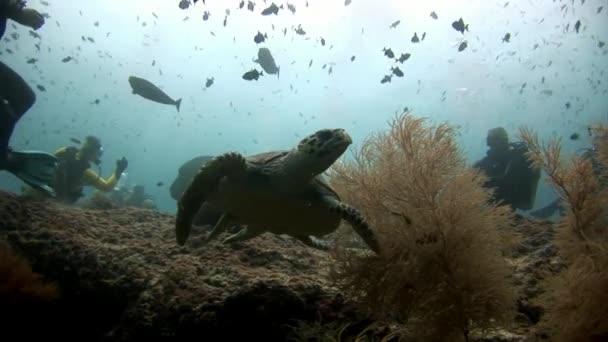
(80, 174)
(91, 178)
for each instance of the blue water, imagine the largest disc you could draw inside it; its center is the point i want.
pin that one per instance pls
(481, 84)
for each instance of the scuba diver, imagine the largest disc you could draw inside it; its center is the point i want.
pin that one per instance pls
(137, 197)
(510, 173)
(16, 98)
(74, 171)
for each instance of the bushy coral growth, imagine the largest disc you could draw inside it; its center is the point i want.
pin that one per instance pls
(576, 300)
(19, 285)
(441, 272)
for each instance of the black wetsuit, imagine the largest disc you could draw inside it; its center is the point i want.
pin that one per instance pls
(13, 89)
(511, 175)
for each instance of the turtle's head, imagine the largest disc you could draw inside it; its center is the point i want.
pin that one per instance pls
(318, 151)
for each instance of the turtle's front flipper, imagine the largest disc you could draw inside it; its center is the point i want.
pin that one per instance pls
(356, 220)
(225, 221)
(203, 184)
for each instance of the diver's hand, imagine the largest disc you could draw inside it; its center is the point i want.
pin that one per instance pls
(121, 165)
(29, 17)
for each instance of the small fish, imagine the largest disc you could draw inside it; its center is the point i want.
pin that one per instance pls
(352, 58)
(34, 34)
(205, 15)
(96, 23)
(310, 63)
(397, 72)
(395, 24)
(568, 105)
(153, 62)
(160, 184)
(300, 30)
(91, 39)
(75, 141)
(346, 2)
(32, 61)
(184, 4)
(460, 26)
(601, 44)
(97, 101)
(423, 36)
(272, 9)
(225, 20)
(260, 38)
(415, 38)
(154, 14)
(574, 136)
(209, 82)
(250, 5)
(67, 59)
(599, 9)
(241, 4)
(267, 62)
(506, 38)
(462, 46)
(253, 74)
(577, 26)
(41, 88)
(404, 57)
(291, 8)
(388, 53)
(322, 41)
(434, 15)
(386, 78)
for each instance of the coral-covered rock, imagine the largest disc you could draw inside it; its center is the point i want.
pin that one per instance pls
(121, 276)
(534, 258)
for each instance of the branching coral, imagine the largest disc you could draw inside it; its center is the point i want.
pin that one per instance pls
(442, 272)
(19, 285)
(576, 300)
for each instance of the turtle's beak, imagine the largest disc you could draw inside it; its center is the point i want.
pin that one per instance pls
(341, 133)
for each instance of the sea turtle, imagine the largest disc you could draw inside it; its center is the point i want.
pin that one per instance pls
(282, 192)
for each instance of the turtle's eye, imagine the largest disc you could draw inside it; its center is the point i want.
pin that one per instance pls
(325, 135)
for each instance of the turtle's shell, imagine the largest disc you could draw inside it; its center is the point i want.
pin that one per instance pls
(268, 162)
(256, 200)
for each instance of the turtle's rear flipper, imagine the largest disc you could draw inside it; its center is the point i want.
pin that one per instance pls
(354, 218)
(205, 181)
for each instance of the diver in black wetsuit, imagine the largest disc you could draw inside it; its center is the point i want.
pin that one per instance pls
(16, 98)
(509, 171)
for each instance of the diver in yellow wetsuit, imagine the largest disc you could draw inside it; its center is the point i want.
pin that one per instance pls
(74, 170)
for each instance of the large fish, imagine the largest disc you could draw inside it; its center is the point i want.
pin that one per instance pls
(267, 62)
(148, 90)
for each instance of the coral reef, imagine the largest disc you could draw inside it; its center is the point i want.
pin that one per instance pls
(454, 265)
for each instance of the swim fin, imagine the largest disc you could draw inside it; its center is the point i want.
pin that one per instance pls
(35, 168)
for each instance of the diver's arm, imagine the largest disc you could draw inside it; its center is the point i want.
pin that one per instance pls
(93, 179)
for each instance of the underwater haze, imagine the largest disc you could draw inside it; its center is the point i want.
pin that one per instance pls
(547, 76)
